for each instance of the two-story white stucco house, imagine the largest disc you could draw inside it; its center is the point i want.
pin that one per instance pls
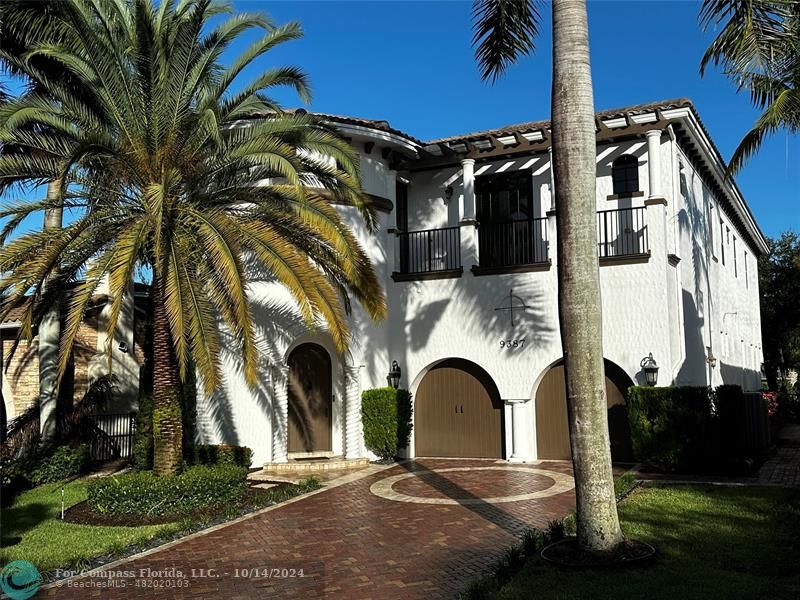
(466, 249)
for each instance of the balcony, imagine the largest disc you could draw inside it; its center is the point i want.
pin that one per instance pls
(622, 235)
(516, 246)
(429, 254)
(512, 246)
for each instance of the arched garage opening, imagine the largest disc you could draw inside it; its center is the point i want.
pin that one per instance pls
(458, 412)
(552, 428)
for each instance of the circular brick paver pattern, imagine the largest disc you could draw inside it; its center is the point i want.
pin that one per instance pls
(346, 542)
(452, 489)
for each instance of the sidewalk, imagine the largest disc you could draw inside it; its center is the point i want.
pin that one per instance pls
(784, 466)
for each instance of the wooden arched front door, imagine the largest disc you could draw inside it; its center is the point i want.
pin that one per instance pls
(458, 412)
(310, 396)
(552, 428)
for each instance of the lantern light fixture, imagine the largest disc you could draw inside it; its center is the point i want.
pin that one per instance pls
(650, 368)
(394, 375)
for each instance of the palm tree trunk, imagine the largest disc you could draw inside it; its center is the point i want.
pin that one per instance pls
(574, 166)
(167, 425)
(49, 337)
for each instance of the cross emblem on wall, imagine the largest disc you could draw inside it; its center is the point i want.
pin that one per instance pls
(512, 306)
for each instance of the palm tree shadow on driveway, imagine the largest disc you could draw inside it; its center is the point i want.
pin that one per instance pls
(469, 500)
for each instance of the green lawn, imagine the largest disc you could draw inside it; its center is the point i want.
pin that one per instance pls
(32, 530)
(713, 542)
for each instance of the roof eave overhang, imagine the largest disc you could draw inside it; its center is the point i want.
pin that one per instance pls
(717, 167)
(404, 145)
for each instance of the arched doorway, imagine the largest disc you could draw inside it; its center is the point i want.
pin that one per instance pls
(552, 429)
(458, 412)
(310, 398)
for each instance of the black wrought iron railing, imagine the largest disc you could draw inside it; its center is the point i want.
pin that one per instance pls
(112, 436)
(430, 250)
(512, 243)
(622, 232)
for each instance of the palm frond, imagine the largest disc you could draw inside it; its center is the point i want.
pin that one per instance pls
(504, 30)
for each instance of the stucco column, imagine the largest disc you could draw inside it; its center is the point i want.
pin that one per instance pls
(519, 432)
(654, 163)
(280, 413)
(467, 220)
(353, 432)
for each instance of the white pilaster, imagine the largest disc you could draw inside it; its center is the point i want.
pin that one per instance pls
(654, 162)
(467, 220)
(519, 424)
(280, 413)
(353, 432)
(468, 203)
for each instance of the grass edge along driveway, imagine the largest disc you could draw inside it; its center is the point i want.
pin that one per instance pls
(32, 530)
(713, 542)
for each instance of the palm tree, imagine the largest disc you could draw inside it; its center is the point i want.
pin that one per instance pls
(505, 30)
(24, 23)
(758, 47)
(166, 168)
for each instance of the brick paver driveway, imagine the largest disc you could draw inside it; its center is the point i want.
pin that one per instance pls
(423, 529)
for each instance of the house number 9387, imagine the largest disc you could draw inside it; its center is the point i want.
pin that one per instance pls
(511, 344)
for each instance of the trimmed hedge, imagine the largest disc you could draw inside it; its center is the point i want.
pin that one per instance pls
(386, 415)
(223, 454)
(670, 426)
(144, 493)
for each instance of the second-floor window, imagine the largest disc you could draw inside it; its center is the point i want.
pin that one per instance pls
(625, 175)
(504, 196)
(508, 232)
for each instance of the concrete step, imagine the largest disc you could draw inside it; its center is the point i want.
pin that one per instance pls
(316, 465)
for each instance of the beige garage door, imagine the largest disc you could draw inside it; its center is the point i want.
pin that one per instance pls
(457, 413)
(552, 430)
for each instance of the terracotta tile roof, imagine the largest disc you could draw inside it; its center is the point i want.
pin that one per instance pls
(545, 123)
(379, 125)
(15, 314)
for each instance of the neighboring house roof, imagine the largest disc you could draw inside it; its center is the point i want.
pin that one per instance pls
(14, 317)
(17, 312)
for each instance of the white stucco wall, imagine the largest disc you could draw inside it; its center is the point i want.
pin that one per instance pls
(673, 306)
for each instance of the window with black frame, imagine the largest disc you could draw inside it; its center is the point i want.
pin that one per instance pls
(625, 175)
(508, 233)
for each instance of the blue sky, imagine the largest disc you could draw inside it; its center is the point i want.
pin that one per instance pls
(411, 63)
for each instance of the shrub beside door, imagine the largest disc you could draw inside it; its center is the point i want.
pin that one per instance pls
(386, 418)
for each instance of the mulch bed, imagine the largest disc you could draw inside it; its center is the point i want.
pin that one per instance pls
(253, 499)
(567, 553)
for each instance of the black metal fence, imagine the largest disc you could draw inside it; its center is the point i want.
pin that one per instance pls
(622, 232)
(112, 436)
(512, 243)
(430, 250)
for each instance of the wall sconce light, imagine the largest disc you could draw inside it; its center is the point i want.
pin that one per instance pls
(711, 359)
(448, 193)
(394, 375)
(650, 368)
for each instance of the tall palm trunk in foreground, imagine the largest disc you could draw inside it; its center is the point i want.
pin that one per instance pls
(167, 423)
(574, 169)
(50, 335)
(505, 30)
